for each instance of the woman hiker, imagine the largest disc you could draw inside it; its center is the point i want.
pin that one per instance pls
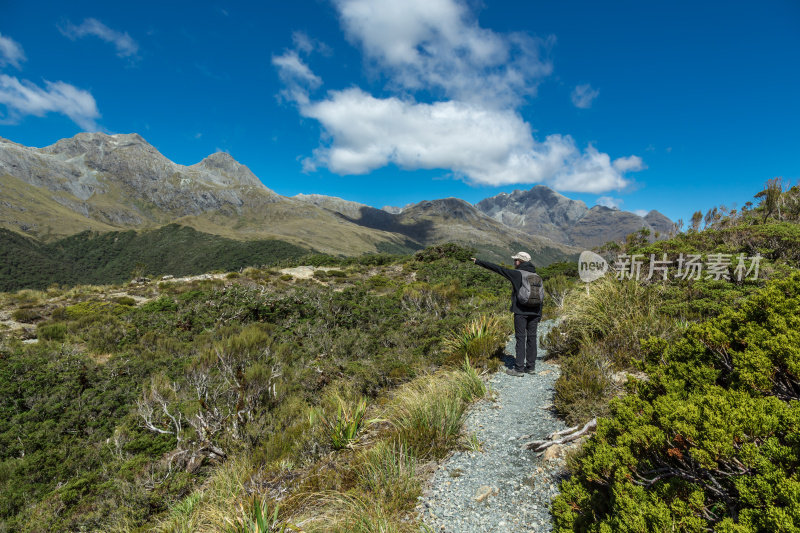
(526, 319)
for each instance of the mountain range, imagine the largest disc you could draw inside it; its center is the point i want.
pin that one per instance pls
(104, 183)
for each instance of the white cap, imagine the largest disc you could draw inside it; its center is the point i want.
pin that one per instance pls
(522, 256)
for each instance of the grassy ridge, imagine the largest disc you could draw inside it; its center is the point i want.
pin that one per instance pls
(91, 258)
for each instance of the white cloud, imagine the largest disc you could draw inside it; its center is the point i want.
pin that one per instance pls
(23, 98)
(11, 52)
(437, 44)
(437, 47)
(302, 42)
(296, 76)
(641, 212)
(632, 163)
(486, 146)
(124, 43)
(584, 95)
(608, 201)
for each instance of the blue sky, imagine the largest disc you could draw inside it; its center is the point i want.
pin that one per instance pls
(675, 106)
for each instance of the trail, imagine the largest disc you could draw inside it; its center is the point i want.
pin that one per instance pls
(501, 488)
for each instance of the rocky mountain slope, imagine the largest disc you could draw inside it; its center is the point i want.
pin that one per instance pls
(100, 182)
(105, 182)
(446, 220)
(543, 211)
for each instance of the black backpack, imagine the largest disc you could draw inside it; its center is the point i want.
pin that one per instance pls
(531, 293)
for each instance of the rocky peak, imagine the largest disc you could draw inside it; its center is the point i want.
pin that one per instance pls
(659, 222)
(543, 211)
(448, 207)
(91, 143)
(540, 211)
(223, 164)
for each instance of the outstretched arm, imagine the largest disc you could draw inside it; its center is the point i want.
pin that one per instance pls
(505, 272)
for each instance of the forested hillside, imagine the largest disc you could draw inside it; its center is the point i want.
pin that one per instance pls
(114, 257)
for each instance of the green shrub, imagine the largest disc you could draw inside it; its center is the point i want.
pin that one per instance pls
(125, 300)
(441, 251)
(379, 281)
(51, 332)
(26, 315)
(161, 305)
(337, 273)
(93, 308)
(711, 440)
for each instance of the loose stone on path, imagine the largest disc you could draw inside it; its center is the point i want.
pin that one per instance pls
(502, 488)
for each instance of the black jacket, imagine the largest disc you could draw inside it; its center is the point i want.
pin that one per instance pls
(515, 277)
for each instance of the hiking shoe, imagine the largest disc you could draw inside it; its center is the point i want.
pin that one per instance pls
(515, 373)
(530, 370)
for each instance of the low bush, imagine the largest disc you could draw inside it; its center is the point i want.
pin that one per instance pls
(711, 440)
(26, 315)
(125, 300)
(51, 332)
(442, 251)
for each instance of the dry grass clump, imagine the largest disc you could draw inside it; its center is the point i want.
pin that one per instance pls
(616, 314)
(601, 331)
(388, 471)
(427, 412)
(351, 513)
(210, 508)
(421, 421)
(585, 384)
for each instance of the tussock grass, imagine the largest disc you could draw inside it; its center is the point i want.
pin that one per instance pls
(387, 470)
(602, 330)
(343, 427)
(479, 341)
(427, 412)
(210, 508)
(350, 513)
(587, 384)
(618, 314)
(421, 422)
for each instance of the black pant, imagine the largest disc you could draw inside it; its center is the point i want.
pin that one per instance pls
(525, 332)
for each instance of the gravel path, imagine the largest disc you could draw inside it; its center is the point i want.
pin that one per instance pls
(501, 488)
